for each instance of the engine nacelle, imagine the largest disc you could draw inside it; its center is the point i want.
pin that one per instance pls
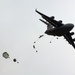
(60, 21)
(52, 17)
(72, 33)
(73, 39)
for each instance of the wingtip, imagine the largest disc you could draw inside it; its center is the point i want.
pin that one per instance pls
(36, 10)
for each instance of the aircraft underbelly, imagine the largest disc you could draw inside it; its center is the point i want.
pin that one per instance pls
(59, 31)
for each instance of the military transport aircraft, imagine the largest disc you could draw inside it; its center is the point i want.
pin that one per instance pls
(57, 28)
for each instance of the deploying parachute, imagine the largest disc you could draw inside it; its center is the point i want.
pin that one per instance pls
(36, 41)
(15, 60)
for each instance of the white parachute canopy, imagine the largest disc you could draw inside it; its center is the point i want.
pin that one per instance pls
(5, 55)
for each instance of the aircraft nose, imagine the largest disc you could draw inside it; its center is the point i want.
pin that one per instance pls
(70, 25)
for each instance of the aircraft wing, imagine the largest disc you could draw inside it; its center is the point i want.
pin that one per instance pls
(50, 19)
(68, 37)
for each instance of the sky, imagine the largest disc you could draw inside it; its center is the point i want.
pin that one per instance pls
(20, 27)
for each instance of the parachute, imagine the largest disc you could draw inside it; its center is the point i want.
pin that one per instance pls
(5, 55)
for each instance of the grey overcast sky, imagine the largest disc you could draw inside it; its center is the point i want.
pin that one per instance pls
(20, 27)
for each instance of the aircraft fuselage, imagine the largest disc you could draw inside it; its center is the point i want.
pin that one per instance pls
(57, 28)
(60, 31)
